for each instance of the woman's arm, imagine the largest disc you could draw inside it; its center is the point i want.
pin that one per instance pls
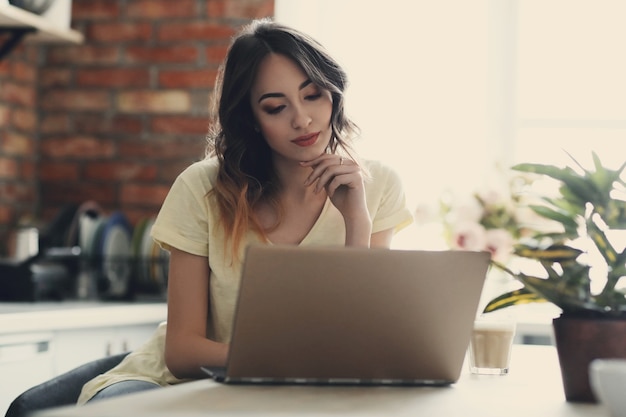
(186, 345)
(382, 239)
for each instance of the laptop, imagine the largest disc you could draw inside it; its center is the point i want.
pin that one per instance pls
(356, 316)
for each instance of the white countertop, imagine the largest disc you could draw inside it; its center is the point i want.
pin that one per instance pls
(22, 317)
(533, 388)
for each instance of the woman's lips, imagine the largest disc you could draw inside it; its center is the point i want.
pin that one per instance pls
(306, 140)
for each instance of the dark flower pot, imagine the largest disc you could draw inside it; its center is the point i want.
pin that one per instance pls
(580, 340)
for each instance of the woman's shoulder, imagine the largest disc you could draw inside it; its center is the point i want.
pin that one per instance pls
(378, 171)
(201, 172)
(204, 166)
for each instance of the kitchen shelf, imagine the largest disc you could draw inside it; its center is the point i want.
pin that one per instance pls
(32, 28)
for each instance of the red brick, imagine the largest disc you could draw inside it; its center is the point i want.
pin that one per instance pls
(84, 54)
(167, 54)
(24, 72)
(154, 9)
(161, 150)
(190, 31)
(31, 53)
(5, 67)
(88, 123)
(135, 214)
(172, 101)
(18, 94)
(120, 171)
(5, 114)
(113, 77)
(28, 170)
(61, 193)
(94, 9)
(9, 168)
(6, 215)
(85, 100)
(59, 171)
(82, 147)
(54, 123)
(245, 9)
(119, 32)
(216, 53)
(143, 194)
(24, 120)
(180, 125)
(14, 143)
(127, 124)
(23, 191)
(55, 77)
(187, 79)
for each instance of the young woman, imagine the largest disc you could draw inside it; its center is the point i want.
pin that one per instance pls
(280, 171)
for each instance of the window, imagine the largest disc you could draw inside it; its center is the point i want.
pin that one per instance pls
(571, 81)
(448, 91)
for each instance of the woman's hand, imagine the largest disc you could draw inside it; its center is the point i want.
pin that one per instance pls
(342, 180)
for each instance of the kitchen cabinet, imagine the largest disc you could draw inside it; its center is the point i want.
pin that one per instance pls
(25, 360)
(41, 340)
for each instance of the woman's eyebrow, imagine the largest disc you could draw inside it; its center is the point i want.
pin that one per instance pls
(269, 95)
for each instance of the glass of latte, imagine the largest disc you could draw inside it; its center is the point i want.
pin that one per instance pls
(490, 346)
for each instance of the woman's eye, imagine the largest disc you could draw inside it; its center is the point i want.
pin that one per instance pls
(274, 110)
(312, 97)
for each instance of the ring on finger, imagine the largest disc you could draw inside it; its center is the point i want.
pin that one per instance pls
(340, 161)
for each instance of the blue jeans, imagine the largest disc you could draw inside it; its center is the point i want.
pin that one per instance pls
(123, 388)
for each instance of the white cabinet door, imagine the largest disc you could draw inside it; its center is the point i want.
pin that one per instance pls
(25, 361)
(76, 347)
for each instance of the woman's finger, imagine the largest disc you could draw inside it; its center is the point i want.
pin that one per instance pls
(322, 165)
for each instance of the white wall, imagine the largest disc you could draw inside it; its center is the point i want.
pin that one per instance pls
(417, 82)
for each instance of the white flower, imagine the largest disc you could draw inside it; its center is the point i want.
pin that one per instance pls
(424, 213)
(491, 197)
(468, 210)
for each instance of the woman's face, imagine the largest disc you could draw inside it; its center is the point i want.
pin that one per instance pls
(292, 113)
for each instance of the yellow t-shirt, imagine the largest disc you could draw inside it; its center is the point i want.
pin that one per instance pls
(189, 221)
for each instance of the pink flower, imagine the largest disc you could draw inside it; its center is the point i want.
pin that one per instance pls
(469, 236)
(500, 243)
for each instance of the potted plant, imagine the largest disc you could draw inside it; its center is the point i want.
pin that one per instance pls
(577, 267)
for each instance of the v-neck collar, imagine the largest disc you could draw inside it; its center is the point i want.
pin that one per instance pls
(315, 226)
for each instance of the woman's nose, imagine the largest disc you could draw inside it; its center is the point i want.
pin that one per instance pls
(301, 118)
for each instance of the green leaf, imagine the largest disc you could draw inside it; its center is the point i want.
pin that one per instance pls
(565, 206)
(602, 243)
(521, 296)
(577, 189)
(614, 214)
(568, 222)
(553, 253)
(582, 189)
(550, 170)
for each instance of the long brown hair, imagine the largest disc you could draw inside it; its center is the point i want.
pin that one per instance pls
(246, 174)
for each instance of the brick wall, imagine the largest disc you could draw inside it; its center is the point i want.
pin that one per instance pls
(117, 118)
(18, 140)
